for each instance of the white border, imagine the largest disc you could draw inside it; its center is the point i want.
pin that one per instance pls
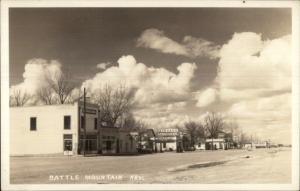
(5, 5)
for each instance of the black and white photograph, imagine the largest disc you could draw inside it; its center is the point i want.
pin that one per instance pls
(145, 97)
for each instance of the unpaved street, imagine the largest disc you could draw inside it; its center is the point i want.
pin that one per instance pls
(231, 166)
(262, 166)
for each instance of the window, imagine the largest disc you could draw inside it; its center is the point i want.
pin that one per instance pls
(32, 123)
(67, 122)
(95, 123)
(68, 142)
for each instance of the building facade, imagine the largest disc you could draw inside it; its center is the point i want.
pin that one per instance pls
(169, 140)
(147, 141)
(43, 129)
(222, 141)
(57, 129)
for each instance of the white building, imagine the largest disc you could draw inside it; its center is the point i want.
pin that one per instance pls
(218, 143)
(169, 140)
(51, 129)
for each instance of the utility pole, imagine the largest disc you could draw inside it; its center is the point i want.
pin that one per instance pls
(84, 120)
(99, 133)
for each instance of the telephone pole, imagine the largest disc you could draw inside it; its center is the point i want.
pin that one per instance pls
(84, 121)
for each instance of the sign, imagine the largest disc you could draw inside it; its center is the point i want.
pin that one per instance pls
(167, 132)
(90, 111)
(215, 140)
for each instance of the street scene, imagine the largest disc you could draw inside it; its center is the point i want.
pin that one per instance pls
(150, 95)
(233, 166)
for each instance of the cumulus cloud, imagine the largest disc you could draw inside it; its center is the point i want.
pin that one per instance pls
(176, 105)
(162, 119)
(35, 74)
(190, 46)
(103, 65)
(206, 97)
(250, 67)
(248, 62)
(254, 79)
(275, 108)
(268, 116)
(151, 84)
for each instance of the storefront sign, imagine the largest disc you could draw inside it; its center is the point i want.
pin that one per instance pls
(167, 132)
(90, 111)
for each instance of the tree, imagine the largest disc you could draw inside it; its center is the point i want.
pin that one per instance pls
(141, 126)
(45, 94)
(75, 95)
(213, 124)
(131, 122)
(244, 138)
(232, 127)
(113, 103)
(195, 130)
(233, 131)
(61, 85)
(18, 98)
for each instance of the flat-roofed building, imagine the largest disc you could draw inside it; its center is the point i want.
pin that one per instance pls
(51, 129)
(169, 140)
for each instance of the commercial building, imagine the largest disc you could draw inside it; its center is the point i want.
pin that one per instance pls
(118, 140)
(147, 141)
(200, 144)
(222, 141)
(169, 140)
(51, 129)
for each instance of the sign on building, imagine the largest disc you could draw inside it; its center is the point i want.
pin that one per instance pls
(167, 132)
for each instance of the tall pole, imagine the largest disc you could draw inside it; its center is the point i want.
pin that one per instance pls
(84, 120)
(99, 133)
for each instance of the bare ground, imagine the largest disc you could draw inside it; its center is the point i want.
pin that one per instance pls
(231, 166)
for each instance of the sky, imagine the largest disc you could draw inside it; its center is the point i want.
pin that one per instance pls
(182, 62)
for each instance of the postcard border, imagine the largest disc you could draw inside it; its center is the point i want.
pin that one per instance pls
(5, 5)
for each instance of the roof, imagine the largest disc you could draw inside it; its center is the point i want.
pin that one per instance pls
(80, 103)
(39, 106)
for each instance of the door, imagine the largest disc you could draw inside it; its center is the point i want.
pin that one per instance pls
(68, 142)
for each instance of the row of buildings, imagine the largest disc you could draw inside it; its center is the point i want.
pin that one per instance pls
(60, 129)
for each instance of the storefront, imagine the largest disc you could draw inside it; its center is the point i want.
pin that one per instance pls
(169, 140)
(118, 140)
(215, 144)
(147, 141)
